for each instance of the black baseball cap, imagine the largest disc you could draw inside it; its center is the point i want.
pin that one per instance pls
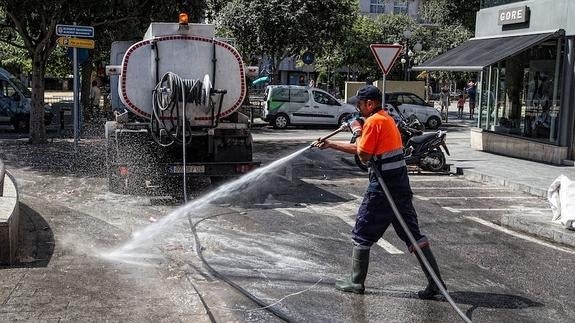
(368, 92)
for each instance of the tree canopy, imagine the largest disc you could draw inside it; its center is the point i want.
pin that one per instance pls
(449, 12)
(283, 28)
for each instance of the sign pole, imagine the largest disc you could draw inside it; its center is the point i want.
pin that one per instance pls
(76, 103)
(68, 38)
(383, 91)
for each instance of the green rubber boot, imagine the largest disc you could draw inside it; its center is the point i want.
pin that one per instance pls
(432, 290)
(359, 264)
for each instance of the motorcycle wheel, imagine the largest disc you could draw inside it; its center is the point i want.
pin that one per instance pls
(360, 164)
(434, 162)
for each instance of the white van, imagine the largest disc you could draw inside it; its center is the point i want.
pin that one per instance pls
(301, 105)
(15, 103)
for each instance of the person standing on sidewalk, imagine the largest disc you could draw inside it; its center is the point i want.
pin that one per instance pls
(380, 141)
(471, 94)
(95, 94)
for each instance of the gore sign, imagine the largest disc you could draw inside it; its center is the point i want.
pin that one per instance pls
(386, 55)
(514, 15)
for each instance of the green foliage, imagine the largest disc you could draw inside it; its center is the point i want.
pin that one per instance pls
(354, 52)
(284, 28)
(448, 12)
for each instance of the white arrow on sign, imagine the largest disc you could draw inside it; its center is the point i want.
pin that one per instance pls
(386, 55)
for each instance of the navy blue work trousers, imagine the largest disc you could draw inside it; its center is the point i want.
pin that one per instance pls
(375, 213)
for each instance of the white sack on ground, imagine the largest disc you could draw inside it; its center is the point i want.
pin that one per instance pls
(561, 196)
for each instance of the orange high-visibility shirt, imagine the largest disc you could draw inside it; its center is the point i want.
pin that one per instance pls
(379, 135)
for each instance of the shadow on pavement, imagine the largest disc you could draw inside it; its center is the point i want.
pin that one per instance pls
(474, 299)
(492, 300)
(35, 240)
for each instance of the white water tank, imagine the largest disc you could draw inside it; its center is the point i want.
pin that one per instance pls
(190, 54)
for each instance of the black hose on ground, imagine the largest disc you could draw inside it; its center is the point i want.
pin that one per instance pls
(253, 298)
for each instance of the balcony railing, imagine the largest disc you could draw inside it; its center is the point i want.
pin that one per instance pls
(493, 3)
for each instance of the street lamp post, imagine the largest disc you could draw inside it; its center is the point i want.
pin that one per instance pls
(408, 53)
(405, 59)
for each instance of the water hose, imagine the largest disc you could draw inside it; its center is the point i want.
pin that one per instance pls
(414, 243)
(343, 127)
(199, 251)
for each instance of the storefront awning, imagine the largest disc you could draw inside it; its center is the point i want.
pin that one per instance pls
(477, 53)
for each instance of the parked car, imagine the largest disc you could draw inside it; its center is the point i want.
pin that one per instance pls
(413, 105)
(300, 105)
(15, 103)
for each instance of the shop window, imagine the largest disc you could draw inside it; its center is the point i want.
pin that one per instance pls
(522, 94)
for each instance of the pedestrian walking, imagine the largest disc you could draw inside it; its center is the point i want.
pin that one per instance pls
(444, 100)
(471, 92)
(380, 141)
(460, 105)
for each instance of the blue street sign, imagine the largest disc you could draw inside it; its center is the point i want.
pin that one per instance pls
(75, 31)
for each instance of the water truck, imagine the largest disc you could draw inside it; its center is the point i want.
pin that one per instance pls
(176, 96)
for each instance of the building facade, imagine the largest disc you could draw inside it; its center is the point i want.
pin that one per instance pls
(523, 53)
(377, 7)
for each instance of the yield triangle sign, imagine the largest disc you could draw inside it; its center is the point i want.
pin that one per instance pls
(386, 55)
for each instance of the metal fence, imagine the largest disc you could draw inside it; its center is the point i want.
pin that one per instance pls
(2, 174)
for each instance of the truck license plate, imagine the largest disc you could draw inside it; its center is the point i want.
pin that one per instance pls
(195, 169)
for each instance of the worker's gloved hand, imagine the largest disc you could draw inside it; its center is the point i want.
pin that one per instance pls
(321, 144)
(356, 126)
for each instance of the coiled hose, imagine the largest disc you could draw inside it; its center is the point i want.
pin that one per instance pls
(166, 118)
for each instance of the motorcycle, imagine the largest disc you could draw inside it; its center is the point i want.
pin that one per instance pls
(422, 150)
(426, 151)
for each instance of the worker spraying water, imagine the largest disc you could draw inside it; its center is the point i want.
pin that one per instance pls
(388, 199)
(380, 140)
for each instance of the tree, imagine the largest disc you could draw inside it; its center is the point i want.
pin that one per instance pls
(33, 23)
(285, 28)
(448, 12)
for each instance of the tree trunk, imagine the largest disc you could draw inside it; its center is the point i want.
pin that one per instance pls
(85, 86)
(37, 127)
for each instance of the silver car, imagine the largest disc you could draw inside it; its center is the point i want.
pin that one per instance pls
(413, 105)
(301, 105)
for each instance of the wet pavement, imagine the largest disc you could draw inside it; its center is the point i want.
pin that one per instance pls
(286, 249)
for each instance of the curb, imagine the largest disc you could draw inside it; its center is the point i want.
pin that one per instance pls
(544, 230)
(476, 176)
(9, 221)
(527, 224)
